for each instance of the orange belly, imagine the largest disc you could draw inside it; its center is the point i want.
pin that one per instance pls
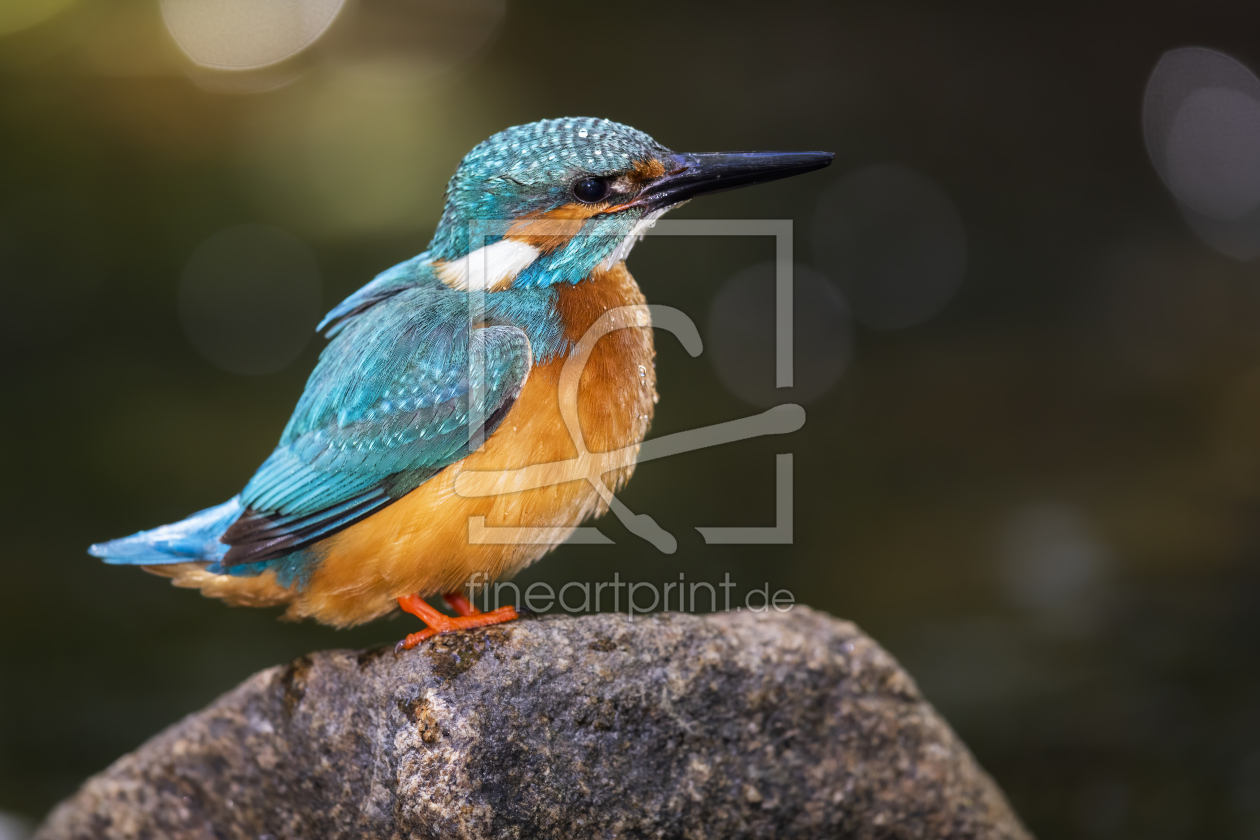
(420, 544)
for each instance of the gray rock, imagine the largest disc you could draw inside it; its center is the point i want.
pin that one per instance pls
(672, 726)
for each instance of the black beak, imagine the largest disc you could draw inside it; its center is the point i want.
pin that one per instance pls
(694, 175)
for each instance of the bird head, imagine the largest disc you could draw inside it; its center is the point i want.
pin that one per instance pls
(551, 201)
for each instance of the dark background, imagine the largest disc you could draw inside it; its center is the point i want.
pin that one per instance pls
(1043, 500)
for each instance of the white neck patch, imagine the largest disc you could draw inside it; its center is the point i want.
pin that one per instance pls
(491, 268)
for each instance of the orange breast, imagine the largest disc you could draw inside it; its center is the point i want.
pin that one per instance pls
(420, 544)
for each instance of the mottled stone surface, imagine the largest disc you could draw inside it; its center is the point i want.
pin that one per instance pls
(671, 726)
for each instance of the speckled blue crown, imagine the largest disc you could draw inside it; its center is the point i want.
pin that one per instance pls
(529, 168)
(551, 150)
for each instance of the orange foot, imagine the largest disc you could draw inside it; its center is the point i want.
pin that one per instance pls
(439, 624)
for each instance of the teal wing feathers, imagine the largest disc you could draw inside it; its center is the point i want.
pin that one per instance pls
(396, 397)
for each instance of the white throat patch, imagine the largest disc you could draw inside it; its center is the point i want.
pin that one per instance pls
(491, 268)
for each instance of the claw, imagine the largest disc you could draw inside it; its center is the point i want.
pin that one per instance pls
(414, 639)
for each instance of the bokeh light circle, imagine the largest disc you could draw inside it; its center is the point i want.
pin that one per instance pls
(741, 334)
(894, 242)
(246, 34)
(1201, 122)
(250, 297)
(1050, 557)
(1213, 152)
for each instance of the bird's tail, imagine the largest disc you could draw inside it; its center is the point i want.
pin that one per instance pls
(191, 539)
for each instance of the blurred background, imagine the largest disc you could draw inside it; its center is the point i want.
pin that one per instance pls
(1028, 344)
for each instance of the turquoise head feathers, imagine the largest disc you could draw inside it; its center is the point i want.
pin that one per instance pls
(576, 177)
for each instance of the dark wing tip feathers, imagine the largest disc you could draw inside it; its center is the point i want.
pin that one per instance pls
(256, 536)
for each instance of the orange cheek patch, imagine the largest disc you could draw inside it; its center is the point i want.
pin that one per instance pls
(553, 229)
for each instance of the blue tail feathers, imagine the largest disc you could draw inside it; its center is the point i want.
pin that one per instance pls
(194, 538)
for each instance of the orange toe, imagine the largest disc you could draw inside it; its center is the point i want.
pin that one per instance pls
(440, 624)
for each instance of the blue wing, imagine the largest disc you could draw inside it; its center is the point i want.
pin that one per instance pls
(394, 399)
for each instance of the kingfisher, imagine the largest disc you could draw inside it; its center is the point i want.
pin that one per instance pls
(453, 361)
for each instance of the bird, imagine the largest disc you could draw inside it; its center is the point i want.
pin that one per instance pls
(448, 362)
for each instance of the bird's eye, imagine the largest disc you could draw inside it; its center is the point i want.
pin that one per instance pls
(590, 189)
